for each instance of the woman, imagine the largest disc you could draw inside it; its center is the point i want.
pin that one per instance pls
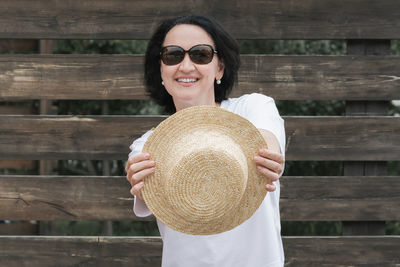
(193, 61)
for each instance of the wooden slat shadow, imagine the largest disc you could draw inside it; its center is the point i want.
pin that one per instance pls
(108, 77)
(109, 137)
(146, 251)
(246, 19)
(108, 198)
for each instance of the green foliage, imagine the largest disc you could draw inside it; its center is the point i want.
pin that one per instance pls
(311, 108)
(310, 168)
(311, 228)
(293, 47)
(82, 228)
(395, 47)
(136, 228)
(94, 228)
(394, 168)
(113, 107)
(393, 228)
(101, 46)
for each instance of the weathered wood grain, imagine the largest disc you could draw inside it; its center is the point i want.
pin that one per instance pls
(121, 77)
(80, 251)
(108, 198)
(370, 108)
(17, 164)
(109, 137)
(58, 137)
(146, 251)
(343, 138)
(342, 251)
(274, 19)
(346, 198)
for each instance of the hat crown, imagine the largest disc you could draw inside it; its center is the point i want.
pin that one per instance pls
(190, 141)
(209, 167)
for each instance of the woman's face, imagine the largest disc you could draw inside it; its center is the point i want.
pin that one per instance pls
(188, 83)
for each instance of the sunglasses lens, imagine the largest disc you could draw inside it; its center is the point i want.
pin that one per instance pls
(201, 54)
(172, 55)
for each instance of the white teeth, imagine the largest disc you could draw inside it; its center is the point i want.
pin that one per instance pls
(187, 80)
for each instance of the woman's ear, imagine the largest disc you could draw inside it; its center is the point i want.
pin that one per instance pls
(221, 69)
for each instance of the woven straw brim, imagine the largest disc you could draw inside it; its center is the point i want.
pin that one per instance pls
(205, 193)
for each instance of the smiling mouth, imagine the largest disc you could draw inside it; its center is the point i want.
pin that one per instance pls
(187, 80)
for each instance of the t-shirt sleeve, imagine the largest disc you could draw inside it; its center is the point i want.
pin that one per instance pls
(139, 206)
(262, 112)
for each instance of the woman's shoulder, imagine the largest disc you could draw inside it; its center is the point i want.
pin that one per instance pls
(248, 99)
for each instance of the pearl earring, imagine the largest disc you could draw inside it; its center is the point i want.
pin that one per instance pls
(219, 81)
(162, 82)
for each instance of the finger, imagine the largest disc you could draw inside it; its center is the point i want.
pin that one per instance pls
(270, 187)
(139, 176)
(270, 164)
(270, 175)
(136, 158)
(277, 157)
(139, 166)
(136, 190)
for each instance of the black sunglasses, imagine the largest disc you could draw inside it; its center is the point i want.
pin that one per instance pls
(199, 54)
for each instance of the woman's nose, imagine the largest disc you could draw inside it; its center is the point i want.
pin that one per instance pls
(186, 64)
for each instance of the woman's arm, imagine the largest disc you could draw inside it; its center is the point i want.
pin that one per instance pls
(270, 162)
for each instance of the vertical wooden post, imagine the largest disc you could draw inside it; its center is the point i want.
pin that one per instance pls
(46, 108)
(18, 46)
(366, 108)
(107, 226)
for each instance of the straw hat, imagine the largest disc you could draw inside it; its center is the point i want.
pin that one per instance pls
(205, 180)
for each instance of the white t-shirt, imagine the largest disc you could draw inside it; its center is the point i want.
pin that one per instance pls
(255, 243)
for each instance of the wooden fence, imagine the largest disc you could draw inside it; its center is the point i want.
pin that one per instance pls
(368, 77)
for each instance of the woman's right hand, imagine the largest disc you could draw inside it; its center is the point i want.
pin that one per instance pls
(137, 168)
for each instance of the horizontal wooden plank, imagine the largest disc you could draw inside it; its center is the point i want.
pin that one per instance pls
(45, 251)
(42, 251)
(74, 137)
(71, 197)
(248, 19)
(343, 138)
(71, 77)
(121, 77)
(342, 251)
(108, 137)
(343, 198)
(107, 198)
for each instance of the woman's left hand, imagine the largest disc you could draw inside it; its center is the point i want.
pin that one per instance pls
(270, 164)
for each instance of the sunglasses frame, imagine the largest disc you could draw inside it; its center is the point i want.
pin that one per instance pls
(188, 52)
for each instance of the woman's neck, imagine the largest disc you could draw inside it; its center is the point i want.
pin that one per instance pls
(182, 105)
